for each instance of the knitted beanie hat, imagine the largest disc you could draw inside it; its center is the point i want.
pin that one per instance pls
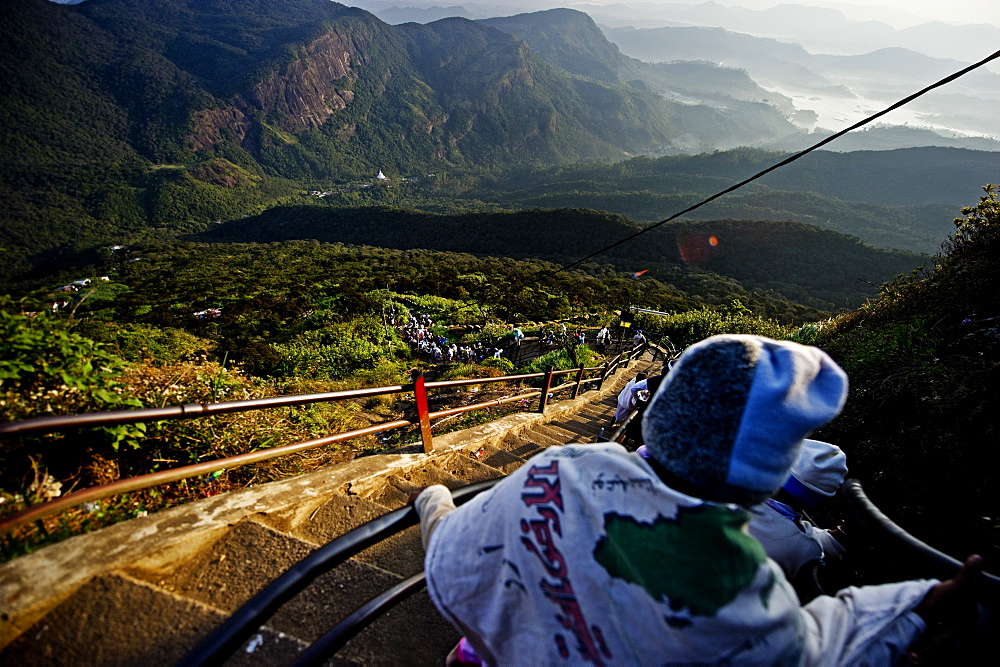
(728, 419)
(818, 472)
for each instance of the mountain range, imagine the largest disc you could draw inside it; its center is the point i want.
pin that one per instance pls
(842, 88)
(118, 115)
(782, 50)
(905, 199)
(123, 119)
(820, 29)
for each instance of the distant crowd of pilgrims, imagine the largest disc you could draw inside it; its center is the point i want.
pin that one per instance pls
(416, 331)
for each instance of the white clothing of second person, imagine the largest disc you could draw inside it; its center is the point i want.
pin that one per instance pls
(791, 542)
(626, 398)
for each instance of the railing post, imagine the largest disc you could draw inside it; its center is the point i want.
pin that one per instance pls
(604, 375)
(423, 413)
(579, 381)
(546, 385)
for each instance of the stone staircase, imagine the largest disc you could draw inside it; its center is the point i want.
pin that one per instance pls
(148, 590)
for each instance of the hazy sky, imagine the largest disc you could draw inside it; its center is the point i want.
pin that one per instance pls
(899, 13)
(949, 11)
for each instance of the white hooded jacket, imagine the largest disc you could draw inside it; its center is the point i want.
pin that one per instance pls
(584, 555)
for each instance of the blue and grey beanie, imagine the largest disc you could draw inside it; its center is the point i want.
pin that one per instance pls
(730, 416)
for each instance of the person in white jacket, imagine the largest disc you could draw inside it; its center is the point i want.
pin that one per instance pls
(592, 554)
(777, 523)
(626, 398)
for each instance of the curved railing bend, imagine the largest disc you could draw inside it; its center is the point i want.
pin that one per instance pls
(235, 630)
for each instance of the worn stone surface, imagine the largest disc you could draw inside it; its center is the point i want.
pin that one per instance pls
(338, 515)
(411, 634)
(252, 555)
(522, 447)
(116, 620)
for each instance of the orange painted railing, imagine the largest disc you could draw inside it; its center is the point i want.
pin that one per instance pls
(422, 418)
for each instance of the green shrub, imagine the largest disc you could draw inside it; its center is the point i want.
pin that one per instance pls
(920, 415)
(470, 371)
(559, 360)
(143, 342)
(450, 310)
(505, 365)
(979, 227)
(489, 334)
(335, 351)
(689, 327)
(904, 343)
(807, 334)
(45, 369)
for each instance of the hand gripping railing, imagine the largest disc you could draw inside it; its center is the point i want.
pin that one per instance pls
(229, 636)
(921, 556)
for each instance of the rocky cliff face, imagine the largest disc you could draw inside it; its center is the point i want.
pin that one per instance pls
(296, 97)
(307, 91)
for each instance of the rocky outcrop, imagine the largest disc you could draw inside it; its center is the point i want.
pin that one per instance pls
(212, 125)
(311, 88)
(300, 95)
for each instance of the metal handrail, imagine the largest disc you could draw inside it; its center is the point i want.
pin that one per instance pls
(186, 411)
(930, 560)
(485, 404)
(235, 630)
(346, 630)
(184, 472)
(194, 410)
(190, 411)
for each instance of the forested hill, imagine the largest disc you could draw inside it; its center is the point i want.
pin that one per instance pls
(823, 269)
(122, 120)
(904, 198)
(120, 115)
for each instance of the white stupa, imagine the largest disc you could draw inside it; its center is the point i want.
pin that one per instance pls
(380, 175)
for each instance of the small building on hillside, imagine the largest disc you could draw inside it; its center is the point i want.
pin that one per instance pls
(380, 175)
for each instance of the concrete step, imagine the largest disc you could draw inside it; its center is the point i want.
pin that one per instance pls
(580, 431)
(402, 554)
(467, 467)
(521, 446)
(538, 435)
(338, 515)
(499, 459)
(117, 620)
(596, 413)
(560, 435)
(252, 555)
(394, 488)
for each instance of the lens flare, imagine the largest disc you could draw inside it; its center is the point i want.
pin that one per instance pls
(698, 248)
